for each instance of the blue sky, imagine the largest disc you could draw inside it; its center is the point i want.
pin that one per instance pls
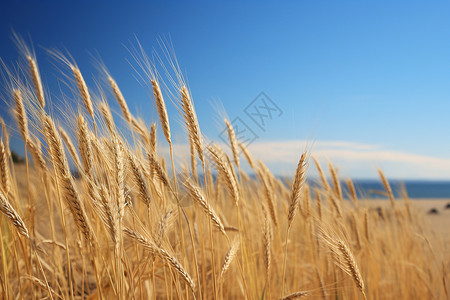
(366, 84)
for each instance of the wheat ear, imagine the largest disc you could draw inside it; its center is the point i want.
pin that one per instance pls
(351, 189)
(83, 89)
(36, 78)
(387, 186)
(344, 259)
(233, 142)
(70, 147)
(21, 115)
(65, 179)
(197, 196)
(162, 111)
(224, 169)
(297, 185)
(10, 213)
(269, 197)
(107, 117)
(139, 179)
(191, 122)
(229, 257)
(84, 145)
(295, 295)
(120, 99)
(336, 182)
(4, 169)
(163, 255)
(247, 155)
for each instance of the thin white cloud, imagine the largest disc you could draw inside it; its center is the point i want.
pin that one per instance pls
(355, 160)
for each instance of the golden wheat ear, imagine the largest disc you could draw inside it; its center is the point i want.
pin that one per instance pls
(10, 213)
(297, 185)
(233, 142)
(229, 257)
(343, 258)
(295, 295)
(36, 78)
(162, 110)
(199, 198)
(191, 121)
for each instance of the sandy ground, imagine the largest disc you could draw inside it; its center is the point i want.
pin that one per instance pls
(439, 223)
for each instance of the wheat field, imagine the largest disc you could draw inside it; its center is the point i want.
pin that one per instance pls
(133, 224)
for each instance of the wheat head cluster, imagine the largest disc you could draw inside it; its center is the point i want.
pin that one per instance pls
(125, 227)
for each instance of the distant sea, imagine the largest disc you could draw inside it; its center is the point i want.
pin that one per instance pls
(415, 188)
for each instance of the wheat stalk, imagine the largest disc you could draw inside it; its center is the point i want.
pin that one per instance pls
(83, 89)
(233, 142)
